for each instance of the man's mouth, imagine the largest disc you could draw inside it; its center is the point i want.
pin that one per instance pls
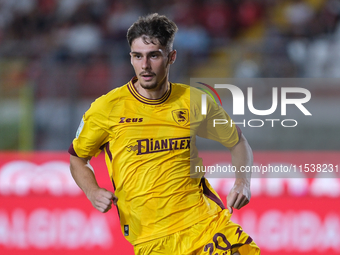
(147, 76)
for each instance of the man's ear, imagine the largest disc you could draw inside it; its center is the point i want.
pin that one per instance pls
(172, 56)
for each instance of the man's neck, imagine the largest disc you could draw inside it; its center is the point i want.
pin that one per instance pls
(152, 93)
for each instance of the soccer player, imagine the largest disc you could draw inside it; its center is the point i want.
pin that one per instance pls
(147, 129)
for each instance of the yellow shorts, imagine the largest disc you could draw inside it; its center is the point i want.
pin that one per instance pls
(216, 235)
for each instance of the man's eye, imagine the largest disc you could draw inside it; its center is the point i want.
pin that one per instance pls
(154, 56)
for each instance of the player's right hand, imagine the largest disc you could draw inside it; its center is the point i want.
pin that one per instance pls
(239, 195)
(102, 199)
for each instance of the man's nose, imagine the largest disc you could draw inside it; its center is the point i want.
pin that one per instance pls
(146, 63)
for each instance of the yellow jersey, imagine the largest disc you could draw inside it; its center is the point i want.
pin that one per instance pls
(150, 148)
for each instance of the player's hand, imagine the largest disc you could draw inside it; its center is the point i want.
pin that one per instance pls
(238, 196)
(102, 199)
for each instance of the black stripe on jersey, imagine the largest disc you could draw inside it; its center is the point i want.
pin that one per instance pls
(209, 194)
(72, 151)
(145, 100)
(106, 146)
(108, 151)
(114, 187)
(135, 92)
(234, 248)
(239, 132)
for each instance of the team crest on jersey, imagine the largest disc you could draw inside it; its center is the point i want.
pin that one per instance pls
(181, 116)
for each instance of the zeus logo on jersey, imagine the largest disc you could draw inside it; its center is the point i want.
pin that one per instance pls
(128, 120)
(146, 146)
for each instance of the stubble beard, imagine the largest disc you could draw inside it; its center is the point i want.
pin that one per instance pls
(149, 86)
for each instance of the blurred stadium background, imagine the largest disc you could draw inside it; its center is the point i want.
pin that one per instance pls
(57, 56)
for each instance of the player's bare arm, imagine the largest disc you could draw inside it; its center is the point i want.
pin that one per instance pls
(83, 175)
(242, 155)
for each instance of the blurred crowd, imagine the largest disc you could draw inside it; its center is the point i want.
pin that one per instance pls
(84, 41)
(76, 27)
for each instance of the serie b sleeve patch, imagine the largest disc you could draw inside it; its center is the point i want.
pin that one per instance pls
(80, 128)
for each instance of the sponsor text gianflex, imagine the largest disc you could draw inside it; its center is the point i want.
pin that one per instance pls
(147, 146)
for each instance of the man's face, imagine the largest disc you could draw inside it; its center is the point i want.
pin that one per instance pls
(151, 63)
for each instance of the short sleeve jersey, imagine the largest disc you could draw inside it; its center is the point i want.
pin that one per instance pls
(149, 147)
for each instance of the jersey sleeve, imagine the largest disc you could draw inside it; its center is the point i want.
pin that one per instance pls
(92, 133)
(224, 130)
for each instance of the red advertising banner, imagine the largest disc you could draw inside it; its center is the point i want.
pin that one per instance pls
(42, 210)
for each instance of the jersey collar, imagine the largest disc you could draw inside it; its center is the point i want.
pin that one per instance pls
(145, 100)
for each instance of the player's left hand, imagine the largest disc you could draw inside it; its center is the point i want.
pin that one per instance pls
(238, 196)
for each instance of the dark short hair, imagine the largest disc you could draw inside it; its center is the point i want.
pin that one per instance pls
(153, 26)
